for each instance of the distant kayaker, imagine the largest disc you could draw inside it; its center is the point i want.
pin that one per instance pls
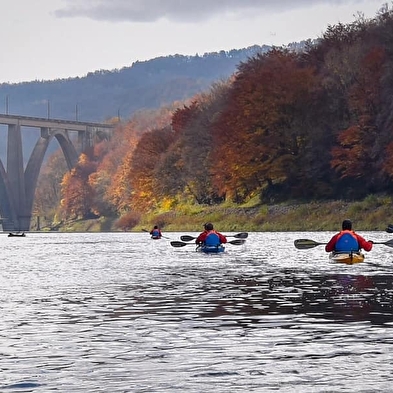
(210, 237)
(156, 232)
(347, 240)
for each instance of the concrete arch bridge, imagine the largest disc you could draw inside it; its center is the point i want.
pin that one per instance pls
(18, 183)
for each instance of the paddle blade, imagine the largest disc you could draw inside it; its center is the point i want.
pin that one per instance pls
(186, 238)
(389, 243)
(237, 242)
(304, 244)
(242, 235)
(176, 243)
(389, 228)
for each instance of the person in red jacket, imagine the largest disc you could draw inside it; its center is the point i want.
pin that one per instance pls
(210, 237)
(347, 240)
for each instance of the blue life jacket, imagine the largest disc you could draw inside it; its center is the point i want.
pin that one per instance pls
(212, 239)
(155, 233)
(346, 243)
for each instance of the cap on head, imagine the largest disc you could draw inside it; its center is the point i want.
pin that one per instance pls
(208, 226)
(347, 225)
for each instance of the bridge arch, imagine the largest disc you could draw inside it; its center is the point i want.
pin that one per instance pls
(36, 159)
(18, 185)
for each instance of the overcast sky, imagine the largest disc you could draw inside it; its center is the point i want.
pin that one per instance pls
(51, 39)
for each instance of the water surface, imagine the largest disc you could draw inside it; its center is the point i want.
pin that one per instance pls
(119, 312)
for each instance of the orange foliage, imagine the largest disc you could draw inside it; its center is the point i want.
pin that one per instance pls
(76, 191)
(257, 138)
(143, 163)
(115, 169)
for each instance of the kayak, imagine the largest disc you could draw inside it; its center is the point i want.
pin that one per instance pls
(211, 249)
(156, 237)
(349, 258)
(11, 234)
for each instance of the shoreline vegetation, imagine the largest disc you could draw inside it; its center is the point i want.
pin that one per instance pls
(373, 213)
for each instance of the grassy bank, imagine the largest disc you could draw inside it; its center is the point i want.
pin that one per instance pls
(372, 213)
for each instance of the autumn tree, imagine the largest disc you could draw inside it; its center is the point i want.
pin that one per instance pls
(110, 178)
(77, 193)
(115, 169)
(262, 132)
(358, 152)
(143, 162)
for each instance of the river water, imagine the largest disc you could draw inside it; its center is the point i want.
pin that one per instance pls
(119, 312)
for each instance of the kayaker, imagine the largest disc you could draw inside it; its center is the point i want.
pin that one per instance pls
(348, 241)
(156, 232)
(210, 237)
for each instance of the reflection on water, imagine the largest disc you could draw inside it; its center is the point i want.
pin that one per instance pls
(117, 312)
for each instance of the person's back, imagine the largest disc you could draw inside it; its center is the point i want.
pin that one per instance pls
(346, 242)
(212, 239)
(155, 233)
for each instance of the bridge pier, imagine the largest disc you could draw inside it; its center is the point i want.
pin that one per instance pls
(16, 177)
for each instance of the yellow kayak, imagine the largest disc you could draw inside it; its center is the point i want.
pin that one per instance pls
(349, 258)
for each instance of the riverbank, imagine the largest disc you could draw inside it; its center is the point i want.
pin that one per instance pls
(372, 213)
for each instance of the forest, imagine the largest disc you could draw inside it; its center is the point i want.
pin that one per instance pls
(287, 125)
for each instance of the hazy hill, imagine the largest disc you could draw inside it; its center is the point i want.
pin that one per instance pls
(104, 94)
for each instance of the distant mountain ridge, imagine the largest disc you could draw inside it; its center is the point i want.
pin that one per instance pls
(102, 94)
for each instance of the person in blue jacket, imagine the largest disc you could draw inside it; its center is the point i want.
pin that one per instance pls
(156, 232)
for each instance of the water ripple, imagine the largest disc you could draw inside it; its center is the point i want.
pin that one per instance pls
(119, 312)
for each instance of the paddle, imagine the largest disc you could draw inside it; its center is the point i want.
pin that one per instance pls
(304, 244)
(389, 243)
(242, 235)
(236, 242)
(145, 230)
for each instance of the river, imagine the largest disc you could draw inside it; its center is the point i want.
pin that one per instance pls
(119, 312)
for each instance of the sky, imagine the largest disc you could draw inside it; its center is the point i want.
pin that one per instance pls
(55, 39)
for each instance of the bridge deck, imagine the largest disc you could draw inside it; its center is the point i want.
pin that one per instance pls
(70, 125)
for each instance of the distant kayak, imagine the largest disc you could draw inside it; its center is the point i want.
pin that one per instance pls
(349, 258)
(16, 234)
(156, 237)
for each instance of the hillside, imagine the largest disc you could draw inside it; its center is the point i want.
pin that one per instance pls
(302, 126)
(105, 94)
